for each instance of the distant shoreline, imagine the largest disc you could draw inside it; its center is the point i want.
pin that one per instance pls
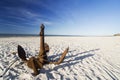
(36, 35)
(17, 35)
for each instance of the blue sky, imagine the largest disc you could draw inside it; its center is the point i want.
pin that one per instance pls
(60, 17)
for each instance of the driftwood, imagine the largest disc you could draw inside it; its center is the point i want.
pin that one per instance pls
(8, 67)
(42, 59)
(4, 70)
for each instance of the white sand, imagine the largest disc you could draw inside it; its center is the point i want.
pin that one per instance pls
(89, 58)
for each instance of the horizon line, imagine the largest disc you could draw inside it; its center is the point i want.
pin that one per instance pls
(7, 34)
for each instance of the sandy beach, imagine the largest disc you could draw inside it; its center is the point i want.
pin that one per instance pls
(89, 58)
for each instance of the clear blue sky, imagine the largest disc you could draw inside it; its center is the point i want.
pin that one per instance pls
(65, 17)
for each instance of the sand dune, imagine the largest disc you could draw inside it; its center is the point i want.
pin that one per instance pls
(89, 58)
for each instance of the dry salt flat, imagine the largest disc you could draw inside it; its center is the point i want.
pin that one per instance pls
(89, 58)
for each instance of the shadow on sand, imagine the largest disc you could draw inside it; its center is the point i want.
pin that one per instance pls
(77, 58)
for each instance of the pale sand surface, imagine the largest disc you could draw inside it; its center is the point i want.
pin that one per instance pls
(89, 58)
